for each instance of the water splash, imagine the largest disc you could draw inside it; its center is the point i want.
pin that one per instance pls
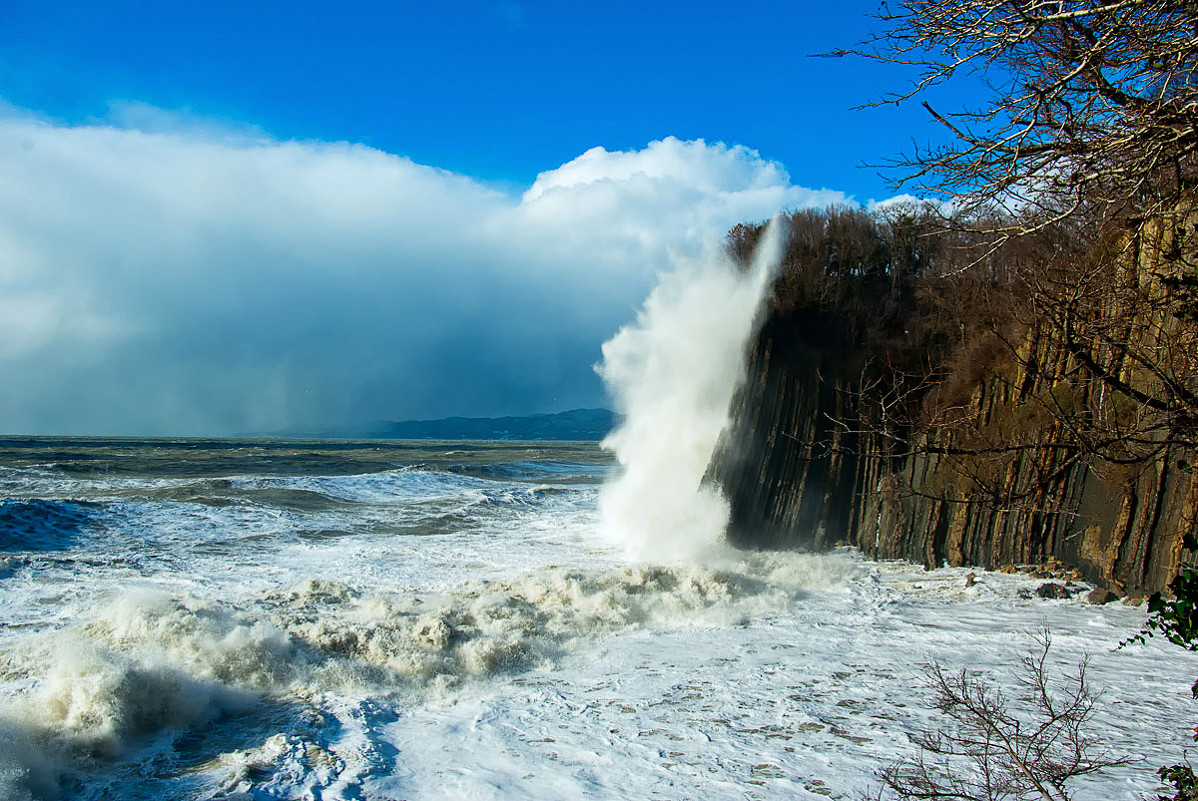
(672, 373)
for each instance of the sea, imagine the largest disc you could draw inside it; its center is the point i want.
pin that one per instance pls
(325, 619)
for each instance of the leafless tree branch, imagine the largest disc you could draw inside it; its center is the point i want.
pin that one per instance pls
(993, 748)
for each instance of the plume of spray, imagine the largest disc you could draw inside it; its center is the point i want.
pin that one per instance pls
(672, 373)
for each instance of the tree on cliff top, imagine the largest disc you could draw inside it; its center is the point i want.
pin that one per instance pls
(1088, 139)
(1089, 134)
(1093, 105)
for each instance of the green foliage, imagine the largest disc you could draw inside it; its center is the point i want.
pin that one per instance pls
(1182, 779)
(1176, 618)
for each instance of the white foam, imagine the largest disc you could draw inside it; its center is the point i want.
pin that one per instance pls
(672, 374)
(810, 703)
(404, 485)
(146, 664)
(509, 659)
(777, 671)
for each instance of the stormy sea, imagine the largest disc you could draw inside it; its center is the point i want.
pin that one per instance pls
(381, 619)
(406, 620)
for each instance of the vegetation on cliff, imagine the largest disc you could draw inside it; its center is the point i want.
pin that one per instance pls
(1088, 146)
(1007, 374)
(1016, 366)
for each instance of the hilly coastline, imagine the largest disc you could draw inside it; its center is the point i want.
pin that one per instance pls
(575, 424)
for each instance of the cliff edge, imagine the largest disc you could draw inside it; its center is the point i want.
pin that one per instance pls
(991, 464)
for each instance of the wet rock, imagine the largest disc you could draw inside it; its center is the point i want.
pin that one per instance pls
(971, 579)
(1100, 595)
(1050, 589)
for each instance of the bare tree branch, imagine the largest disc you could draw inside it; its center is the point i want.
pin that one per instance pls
(990, 748)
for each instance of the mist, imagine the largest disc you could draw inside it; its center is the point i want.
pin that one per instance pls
(186, 279)
(673, 373)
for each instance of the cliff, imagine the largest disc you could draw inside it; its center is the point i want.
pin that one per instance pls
(799, 472)
(1013, 480)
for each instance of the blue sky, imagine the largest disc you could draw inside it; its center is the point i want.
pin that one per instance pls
(239, 216)
(495, 90)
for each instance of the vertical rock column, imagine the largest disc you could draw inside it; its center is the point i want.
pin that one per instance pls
(785, 463)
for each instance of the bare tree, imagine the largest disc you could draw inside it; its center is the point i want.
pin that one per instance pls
(1093, 103)
(1074, 181)
(993, 747)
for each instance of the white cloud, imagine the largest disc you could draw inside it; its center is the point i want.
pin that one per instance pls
(908, 203)
(167, 277)
(713, 169)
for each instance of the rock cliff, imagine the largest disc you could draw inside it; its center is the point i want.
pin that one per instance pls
(802, 471)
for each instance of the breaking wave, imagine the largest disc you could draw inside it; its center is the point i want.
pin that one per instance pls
(672, 374)
(148, 666)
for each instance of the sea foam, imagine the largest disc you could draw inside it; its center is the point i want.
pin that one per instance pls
(672, 374)
(146, 666)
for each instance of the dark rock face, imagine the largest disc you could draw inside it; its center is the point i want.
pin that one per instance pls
(799, 473)
(1100, 595)
(1050, 589)
(786, 489)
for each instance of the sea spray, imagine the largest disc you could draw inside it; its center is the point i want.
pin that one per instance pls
(143, 672)
(672, 374)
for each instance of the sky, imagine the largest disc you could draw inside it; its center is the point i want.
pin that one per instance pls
(239, 217)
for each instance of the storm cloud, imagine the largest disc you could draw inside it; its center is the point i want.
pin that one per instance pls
(180, 279)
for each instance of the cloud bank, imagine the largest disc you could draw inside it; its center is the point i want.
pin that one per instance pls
(177, 279)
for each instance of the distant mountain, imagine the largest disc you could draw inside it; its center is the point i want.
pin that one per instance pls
(576, 424)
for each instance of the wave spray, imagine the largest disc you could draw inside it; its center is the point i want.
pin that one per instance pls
(672, 374)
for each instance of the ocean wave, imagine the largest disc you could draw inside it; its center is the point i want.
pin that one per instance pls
(147, 666)
(544, 471)
(403, 485)
(43, 525)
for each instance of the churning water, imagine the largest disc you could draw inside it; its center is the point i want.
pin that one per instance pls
(394, 620)
(672, 374)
